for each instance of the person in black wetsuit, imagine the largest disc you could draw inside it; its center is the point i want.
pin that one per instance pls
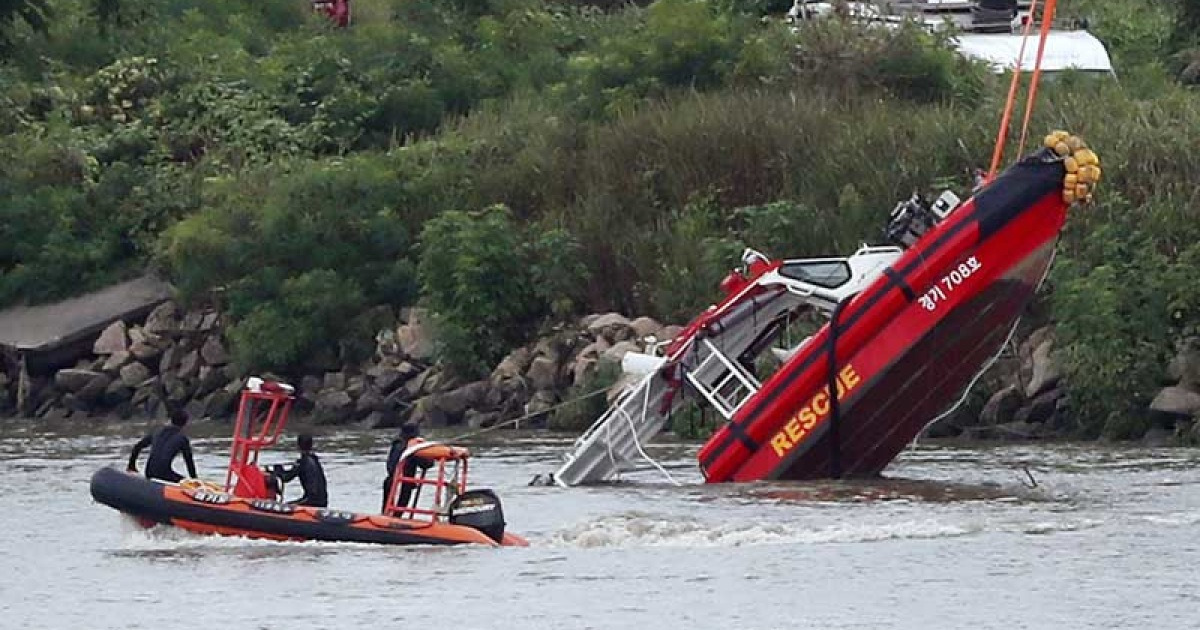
(310, 471)
(408, 433)
(165, 443)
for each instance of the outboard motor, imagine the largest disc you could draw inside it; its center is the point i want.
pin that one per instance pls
(914, 216)
(479, 509)
(908, 221)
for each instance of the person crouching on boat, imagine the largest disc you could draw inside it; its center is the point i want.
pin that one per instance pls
(165, 444)
(310, 471)
(410, 434)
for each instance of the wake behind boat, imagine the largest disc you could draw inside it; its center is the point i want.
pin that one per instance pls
(248, 504)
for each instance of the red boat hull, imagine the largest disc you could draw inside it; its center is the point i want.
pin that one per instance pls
(907, 346)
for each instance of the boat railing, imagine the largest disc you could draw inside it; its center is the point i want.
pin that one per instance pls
(624, 396)
(261, 417)
(448, 482)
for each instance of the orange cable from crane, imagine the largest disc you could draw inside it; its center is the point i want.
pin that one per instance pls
(1006, 117)
(1047, 21)
(1010, 102)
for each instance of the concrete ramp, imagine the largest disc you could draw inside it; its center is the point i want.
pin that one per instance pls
(47, 332)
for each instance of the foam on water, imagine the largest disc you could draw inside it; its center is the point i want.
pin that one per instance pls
(161, 538)
(1181, 519)
(646, 530)
(639, 529)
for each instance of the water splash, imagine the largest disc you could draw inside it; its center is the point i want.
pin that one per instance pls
(640, 529)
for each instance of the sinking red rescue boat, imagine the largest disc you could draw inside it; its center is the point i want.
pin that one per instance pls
(911, 324)
(903, 349)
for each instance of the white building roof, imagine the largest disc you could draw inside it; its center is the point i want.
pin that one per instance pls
(1079, 50)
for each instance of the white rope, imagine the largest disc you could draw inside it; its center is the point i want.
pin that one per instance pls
(511, 421)
(637, 443)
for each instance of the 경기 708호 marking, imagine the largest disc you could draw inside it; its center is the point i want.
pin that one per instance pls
(949, 282)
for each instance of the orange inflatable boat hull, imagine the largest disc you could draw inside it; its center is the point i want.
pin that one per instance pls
(206, 512)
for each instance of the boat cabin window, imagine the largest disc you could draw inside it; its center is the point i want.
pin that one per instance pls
(829, 274)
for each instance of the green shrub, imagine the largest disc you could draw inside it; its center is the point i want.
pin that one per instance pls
(907, 62)
(1136, 32)
(585, 402)
(691, 422)
(696, 257)
(273, 233)
(558, 272)
(303, 321)
(682, 44)
(1118, 322)
(235, 126)
(404, 110)
(33, 14)
(475, 278)
(334, 215)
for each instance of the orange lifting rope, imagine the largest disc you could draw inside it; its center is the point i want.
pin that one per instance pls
(1010, 103)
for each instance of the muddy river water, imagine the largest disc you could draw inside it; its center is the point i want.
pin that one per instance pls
(955, 537)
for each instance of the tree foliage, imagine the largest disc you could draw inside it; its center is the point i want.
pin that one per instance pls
(34, 14)
(474, 275)
(512, 162)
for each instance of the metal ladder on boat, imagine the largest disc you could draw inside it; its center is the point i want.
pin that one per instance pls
(723, 382)
(615, 441)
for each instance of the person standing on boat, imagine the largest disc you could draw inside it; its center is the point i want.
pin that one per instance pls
(410, 434)
(165, 444)
(310, 471)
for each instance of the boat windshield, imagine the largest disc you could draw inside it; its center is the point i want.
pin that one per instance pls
(829, 274)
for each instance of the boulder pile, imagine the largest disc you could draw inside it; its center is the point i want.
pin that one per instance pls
(181, 357)
(1176, 408)
(528, 383)
(173, 355)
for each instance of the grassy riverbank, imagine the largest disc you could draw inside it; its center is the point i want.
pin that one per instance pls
(515, 162)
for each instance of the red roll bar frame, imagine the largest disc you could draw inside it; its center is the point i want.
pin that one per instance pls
(262, 414)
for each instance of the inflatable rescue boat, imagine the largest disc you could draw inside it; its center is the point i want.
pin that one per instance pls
(248, 503)
(911, 325)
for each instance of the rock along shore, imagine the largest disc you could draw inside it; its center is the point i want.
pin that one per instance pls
(181, 357)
